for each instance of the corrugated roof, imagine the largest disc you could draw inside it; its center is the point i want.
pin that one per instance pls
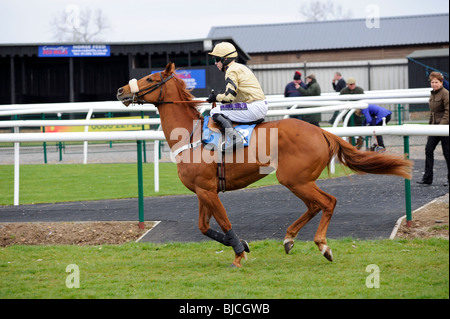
(338, 34)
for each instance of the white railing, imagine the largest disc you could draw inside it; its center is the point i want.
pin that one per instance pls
(403, 130)
(346, 104)
(273, 101)
(17, 138)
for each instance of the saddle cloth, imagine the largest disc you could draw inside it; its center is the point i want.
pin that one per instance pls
(211, 132)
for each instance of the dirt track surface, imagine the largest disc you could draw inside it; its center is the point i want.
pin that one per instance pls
(70, 233)
(431, 220)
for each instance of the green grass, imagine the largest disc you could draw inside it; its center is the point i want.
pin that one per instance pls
(408, 269)
(51, 183)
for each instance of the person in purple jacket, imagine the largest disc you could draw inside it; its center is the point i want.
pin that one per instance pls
(291, 91)
(374, 115)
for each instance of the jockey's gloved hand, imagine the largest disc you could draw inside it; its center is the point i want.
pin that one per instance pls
(212, 97)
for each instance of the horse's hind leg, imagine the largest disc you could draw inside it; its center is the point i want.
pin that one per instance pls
(316, 200)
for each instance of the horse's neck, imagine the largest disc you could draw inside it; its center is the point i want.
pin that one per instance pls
(177, 123)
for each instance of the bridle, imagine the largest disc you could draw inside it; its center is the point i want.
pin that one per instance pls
(138, 94)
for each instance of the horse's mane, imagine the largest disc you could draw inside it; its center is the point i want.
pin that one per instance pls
(187, 96)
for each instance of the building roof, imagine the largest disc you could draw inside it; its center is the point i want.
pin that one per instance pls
(338, 34)
(124, 48)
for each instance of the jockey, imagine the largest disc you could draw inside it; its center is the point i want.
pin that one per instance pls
(243, 100)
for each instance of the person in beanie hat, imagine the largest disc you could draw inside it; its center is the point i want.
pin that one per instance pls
(291, 91)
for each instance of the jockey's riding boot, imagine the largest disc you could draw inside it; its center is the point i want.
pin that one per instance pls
(235, 138)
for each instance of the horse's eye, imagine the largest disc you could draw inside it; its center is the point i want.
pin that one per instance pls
(149, 79)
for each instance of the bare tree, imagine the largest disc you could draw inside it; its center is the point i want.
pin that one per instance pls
(78, 26)
(319, 11)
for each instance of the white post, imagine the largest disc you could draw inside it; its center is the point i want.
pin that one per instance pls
(16, 169)
(85, 143)
(156, 165)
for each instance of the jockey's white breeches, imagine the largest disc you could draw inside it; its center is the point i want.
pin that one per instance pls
(242, 112)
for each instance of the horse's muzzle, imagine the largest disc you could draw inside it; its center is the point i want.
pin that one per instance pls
(124, 98)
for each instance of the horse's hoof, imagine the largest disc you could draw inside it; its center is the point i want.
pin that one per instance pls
(326, 252)
(246, 246)
(288, 244)
(238, 258)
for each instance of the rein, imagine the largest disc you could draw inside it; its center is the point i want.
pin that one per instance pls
(137, 94)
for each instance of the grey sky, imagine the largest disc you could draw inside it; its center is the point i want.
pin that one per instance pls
(28, 21)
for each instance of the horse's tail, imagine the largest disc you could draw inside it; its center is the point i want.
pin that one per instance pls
(367, 162)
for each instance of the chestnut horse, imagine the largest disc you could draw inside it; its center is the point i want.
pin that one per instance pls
(299, 152)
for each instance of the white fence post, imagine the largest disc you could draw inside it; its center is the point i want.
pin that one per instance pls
(16, 169)
(156, 165)
(85, 143)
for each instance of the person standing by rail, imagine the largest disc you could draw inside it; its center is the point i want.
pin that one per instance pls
(438, 103)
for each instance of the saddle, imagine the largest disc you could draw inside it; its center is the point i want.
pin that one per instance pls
(212, 137)
(213, 126)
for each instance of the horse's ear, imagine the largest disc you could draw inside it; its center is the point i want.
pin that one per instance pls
(170, 68)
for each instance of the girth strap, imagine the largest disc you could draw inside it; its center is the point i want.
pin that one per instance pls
(221, 173)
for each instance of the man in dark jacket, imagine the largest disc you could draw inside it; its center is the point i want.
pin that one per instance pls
(338, 82)
(351, 88)
(313, 88)
(291, 91)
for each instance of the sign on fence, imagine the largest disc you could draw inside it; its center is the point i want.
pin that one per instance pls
(194, 78)
(99, 128)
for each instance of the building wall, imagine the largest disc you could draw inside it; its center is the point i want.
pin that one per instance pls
(374, 68)
(370, 75)
(339, 55)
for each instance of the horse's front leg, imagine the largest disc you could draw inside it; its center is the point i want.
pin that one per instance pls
(210, 205)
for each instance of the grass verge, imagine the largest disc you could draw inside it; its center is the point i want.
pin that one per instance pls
(407, 269)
